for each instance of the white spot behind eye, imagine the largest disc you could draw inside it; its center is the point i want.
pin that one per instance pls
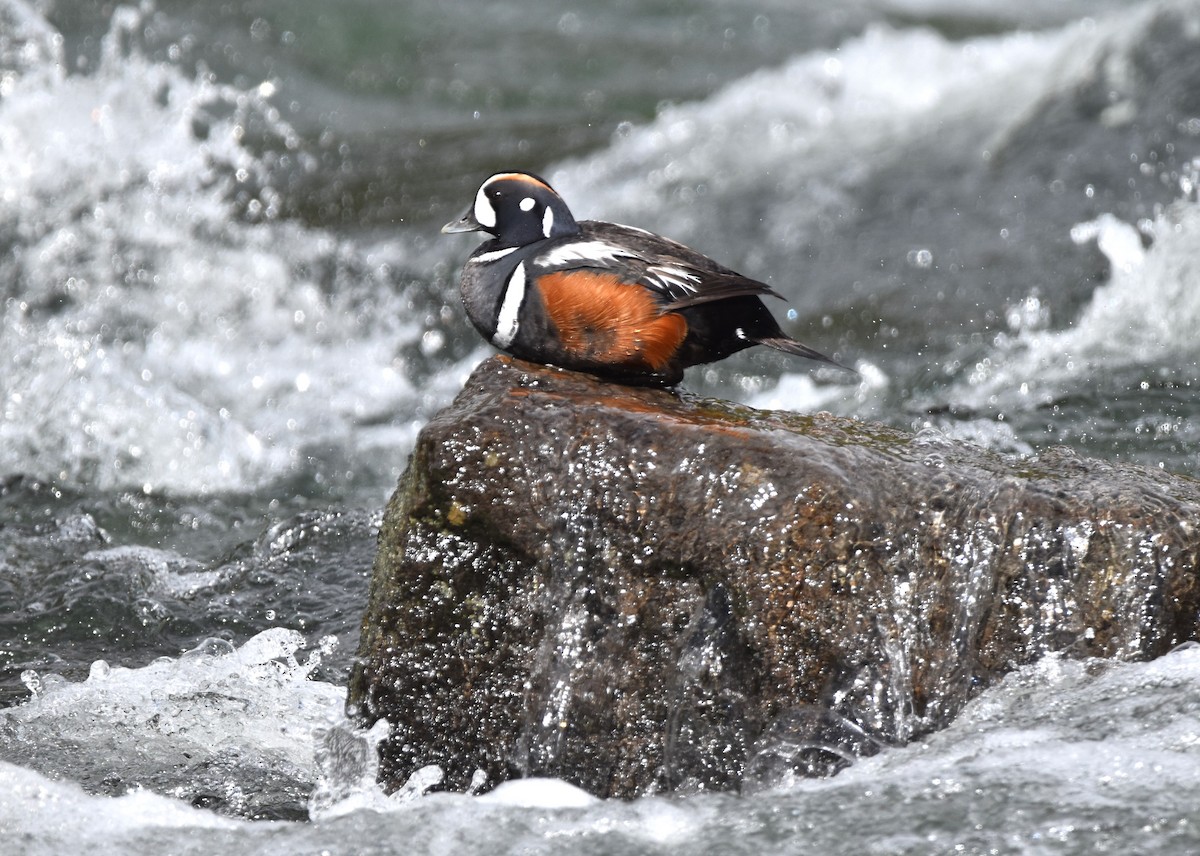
(485, 214)
(527, 203)
(547, 222)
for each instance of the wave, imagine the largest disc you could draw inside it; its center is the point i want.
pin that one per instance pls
(906, 191)
(1137, 330)
(773, 170)
(161, 327)
(245, 724)
(164, 327)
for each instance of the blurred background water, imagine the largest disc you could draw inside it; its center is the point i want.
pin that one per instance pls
(225, 312)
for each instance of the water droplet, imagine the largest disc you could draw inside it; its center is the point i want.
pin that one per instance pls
(32, 681)
(920, 258)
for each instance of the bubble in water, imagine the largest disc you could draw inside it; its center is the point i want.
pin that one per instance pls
(921, 258)
(208, 649)
(1028, 314)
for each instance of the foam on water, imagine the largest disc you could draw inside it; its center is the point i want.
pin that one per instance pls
(779, 175)
(769, 163)
(801, 393)
(1073, 756)
(152, 571)
(539, 793)
(96, 823)
(1144, 317)
(160, 327)
(217, 726)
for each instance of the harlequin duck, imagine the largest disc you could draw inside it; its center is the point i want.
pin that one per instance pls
(597, 297)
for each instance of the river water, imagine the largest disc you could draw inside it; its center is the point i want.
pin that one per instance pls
(225, 312)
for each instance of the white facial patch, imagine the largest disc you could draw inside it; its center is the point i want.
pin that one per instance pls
(508, 321)
(485, 214)
(527, 203)
(547, 222)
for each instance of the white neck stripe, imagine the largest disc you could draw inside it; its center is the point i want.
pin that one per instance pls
(508, 321)
(492, 256)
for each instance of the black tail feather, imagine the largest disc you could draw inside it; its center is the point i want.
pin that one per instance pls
(791, 346)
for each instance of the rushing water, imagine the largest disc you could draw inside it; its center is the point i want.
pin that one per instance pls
(225, 313)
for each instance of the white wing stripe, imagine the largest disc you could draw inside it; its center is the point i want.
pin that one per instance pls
(583, 251)
(669, 275)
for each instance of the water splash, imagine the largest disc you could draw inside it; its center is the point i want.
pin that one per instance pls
(347, 761)
(772, 165)
(227, 728)
(1144, 316)
(162, 328)
(1066, 756)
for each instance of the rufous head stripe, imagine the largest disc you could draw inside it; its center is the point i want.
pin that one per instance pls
(519, 176)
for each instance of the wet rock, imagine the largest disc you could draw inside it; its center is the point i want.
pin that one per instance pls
(637, 591)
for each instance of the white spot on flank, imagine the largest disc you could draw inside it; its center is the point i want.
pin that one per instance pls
(485, 214)
(509, 320)
(527, 203)
(740, 333)
(547, 222)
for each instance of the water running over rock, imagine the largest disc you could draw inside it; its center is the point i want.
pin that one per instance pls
(638, 591)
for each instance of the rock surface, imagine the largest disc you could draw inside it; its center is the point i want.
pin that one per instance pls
(638, 591)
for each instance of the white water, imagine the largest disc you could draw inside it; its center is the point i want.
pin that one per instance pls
(1063, 756)
(244, 718)
(153, 337)
(769, 162)
(1146, 316)
(736, 165)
